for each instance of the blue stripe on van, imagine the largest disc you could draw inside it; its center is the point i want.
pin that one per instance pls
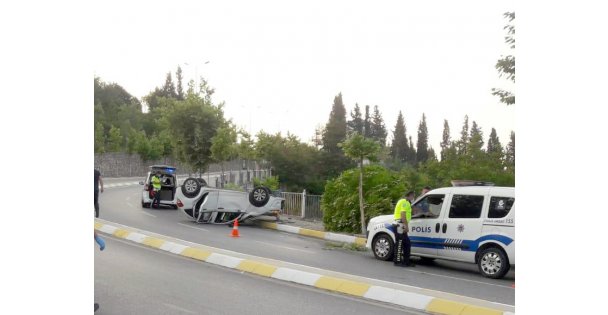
(467, 245)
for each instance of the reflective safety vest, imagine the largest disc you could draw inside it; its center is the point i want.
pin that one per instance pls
(403, 205)
(156, 182)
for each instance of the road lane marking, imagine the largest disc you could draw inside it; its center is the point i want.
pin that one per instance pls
(144, 212)
(193, 227)
(285, 247)
(175, 307)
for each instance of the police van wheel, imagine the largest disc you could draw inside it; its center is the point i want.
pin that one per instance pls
(493, 263)
(383, 247)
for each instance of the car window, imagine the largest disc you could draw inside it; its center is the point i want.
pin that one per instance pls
(500, 207)
(428, 207)
(466, 206)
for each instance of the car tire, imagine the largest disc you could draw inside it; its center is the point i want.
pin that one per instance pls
(259, 196)
(493, 263)
(191, 187)
(383, 247)
(145, 204)
(202, 182)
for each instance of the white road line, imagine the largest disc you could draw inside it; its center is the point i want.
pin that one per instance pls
(175, 307)
(144, 212)
(290, 248)
(193, 227)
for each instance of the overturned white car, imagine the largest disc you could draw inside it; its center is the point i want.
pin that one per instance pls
(203, 204)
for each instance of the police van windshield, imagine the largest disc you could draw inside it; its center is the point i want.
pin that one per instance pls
(428, 207)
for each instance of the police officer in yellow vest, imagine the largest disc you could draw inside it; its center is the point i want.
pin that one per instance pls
(156, 186)
(403, 215)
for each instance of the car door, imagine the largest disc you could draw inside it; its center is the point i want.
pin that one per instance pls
(425, 226)
(462, 225)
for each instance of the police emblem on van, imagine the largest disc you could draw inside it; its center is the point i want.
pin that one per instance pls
(461, 228)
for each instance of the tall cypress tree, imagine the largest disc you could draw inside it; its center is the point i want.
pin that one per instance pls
(180, 88)
(494, 149)
(168, 89)
(445, 140)
(411, 155)
(494, 145)
(476, 138)
(335, 132)
(510, 153)
(356, 122)
(378, 129)
(399, 146)
(423, 141)
(464, 137)
(367, 123)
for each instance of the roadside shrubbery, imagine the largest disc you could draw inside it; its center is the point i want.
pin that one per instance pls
(340, 203)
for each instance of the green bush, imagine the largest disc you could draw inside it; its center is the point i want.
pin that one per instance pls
(340, 203)
(271, 182)
(231, 186)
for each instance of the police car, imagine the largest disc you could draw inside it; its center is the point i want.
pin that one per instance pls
(168, 188)
(470, 222)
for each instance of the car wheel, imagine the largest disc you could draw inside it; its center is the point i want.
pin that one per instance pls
(383, 247)
(259, 196)
(202, 182)
(493, 263)
(191, 187)
(145, 204)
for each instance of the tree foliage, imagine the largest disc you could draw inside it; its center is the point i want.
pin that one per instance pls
(340, 203)
(399, 146)
(506, 64)
(422, 146)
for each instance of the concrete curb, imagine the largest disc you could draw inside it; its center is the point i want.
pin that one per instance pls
(360, 287)
(314, 233)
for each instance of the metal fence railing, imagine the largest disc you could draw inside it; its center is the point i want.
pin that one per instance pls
(302, 205)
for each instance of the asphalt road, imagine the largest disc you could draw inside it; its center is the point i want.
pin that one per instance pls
(132, 279)
(123, 205)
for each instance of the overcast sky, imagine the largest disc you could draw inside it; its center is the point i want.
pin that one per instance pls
(278, 64)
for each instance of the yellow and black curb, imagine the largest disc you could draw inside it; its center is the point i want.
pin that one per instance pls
(354, 286)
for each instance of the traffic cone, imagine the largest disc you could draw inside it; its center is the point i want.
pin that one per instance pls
(235, 228)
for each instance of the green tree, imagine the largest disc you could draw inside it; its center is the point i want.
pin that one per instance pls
(100, 138)
(114, 143)
(494, 148)
(223, 146)
(180, 88)
(411, 152)
(510, 153)
(399, 146)
(334, 160)
(356, 122)
(422, 150)
(359, 148)
(462, 144)
(193, 123)
(506, 64)
(340, 202)
(475, 146)
(446, 142)
(378, 129)
(367, 123)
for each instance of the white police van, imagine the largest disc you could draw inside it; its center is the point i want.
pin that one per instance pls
(471, 222)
